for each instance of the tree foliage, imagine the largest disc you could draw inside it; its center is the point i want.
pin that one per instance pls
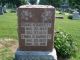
(3, 2)
(55, 3)
(74, 3)
(14, 2)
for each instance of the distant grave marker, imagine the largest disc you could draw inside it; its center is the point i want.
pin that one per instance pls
(64, 5)
(76, 15)
(1, 10)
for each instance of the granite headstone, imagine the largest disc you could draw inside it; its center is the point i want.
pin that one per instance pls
(36, 33)
(36, 27)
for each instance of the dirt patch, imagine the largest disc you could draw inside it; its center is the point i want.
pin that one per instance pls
(12, 44)
(1, 46)
(14, 47)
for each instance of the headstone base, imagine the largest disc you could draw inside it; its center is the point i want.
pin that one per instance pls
(36, 55)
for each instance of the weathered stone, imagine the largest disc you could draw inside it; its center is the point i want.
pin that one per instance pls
(36, 27)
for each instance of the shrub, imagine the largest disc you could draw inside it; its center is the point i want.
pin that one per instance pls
(70, 17)
(64, 45)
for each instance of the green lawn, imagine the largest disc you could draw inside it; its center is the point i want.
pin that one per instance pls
(8, 28)
(8, 25)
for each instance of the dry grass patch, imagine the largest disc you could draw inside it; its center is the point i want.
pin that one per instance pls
(7, 48)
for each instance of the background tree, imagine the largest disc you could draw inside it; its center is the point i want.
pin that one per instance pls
(13, 2)
(16, 2)
(3, 2)
(74, 4)
(55, 3)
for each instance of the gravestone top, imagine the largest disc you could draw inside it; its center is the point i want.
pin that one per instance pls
(36, 6)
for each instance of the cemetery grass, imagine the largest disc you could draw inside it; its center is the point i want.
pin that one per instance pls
(8, 25)
(8, 36)
(8, 29)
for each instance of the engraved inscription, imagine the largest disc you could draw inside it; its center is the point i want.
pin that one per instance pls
(36, 34)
